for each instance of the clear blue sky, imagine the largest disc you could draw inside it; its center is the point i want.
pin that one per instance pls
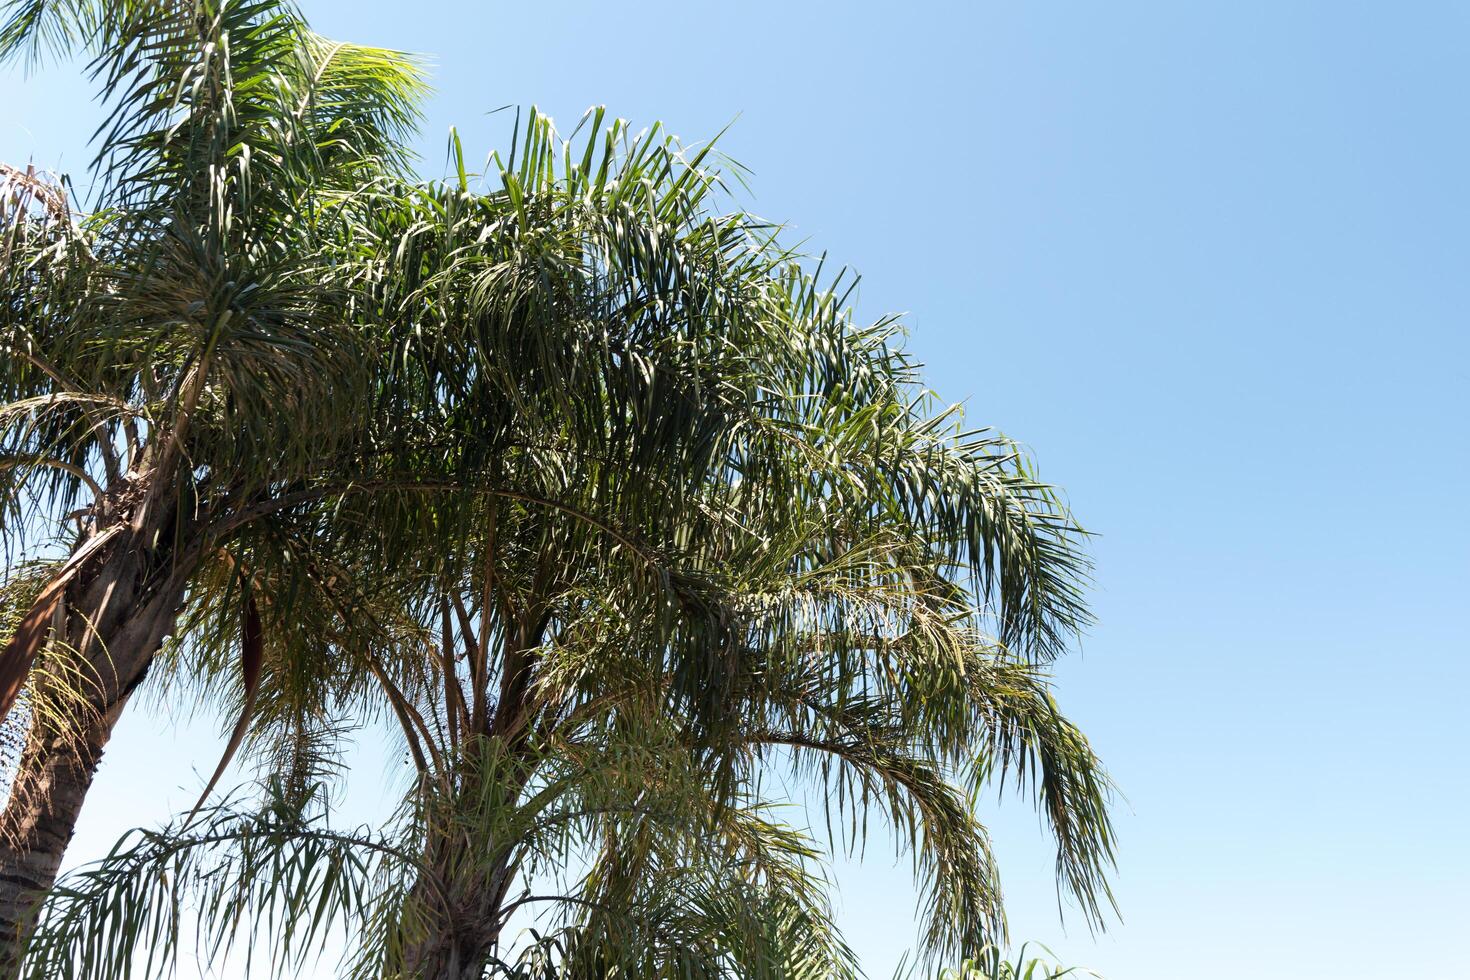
(1209, 260)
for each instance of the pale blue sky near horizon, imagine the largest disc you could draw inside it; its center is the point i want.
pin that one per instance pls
(1209, 261)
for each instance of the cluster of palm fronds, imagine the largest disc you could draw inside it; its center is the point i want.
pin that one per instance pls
(591, 489)
(994, 963)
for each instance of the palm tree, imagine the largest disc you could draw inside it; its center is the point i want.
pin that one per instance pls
(667, 527)
(176, 358)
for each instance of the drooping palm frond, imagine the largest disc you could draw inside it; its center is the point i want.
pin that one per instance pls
(277, 881)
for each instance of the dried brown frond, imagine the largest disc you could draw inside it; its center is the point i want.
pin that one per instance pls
(34, 194)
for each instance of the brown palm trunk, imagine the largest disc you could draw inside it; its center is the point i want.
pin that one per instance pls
(459, 945)
(460, 904)
(460, 898)
(447, 958)
(116, 618)
(55, 773)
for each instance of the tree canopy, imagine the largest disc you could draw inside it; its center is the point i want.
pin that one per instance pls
(571, 471)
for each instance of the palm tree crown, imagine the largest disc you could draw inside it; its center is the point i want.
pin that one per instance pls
(594, 489)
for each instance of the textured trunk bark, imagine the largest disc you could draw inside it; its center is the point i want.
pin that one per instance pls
(56, 771)
(447, 959)
(459, 940)
(462, 927)
(116, 621)
(461, 901)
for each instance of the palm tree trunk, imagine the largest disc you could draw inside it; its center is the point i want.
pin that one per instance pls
(459, 947)
(461, 915)
(460, 895)
(461, 901)
(120, 617)
(37, 824)
(447, 958)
